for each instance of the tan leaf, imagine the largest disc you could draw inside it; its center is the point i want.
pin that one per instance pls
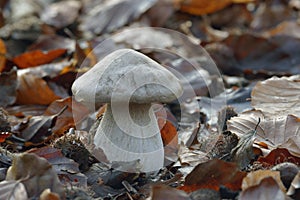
(277, 96)
(275, 132)
(35, 173)
(267, 189)
(254, 178)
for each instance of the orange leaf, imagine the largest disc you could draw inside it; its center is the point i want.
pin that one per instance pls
(277, 156)
(37, 57)
(73, 114)
(2, 55)
(34, 90)
(201, 7)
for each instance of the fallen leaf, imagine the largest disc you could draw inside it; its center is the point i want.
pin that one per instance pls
(191, 157)
(267, 189)
(212, 175)
(162, 192)
(274, 132)
(66, 169)
(37, 57)
(283, 92)
(2, 55)
(243, 153)
(201, 7)
(34, 90)
(105, 17)
(13, 190)
(61, 14)
(74, 114)
(36, 129)
(243, 52)
(52, 42)
(8, 87)
(254, 178)
(35, 173)
(277, 156)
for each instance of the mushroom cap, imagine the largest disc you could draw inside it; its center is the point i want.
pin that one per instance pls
(126, 76)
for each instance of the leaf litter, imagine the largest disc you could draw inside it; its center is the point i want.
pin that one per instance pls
(213, 151)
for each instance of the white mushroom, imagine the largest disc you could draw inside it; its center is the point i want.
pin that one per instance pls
(129, 82)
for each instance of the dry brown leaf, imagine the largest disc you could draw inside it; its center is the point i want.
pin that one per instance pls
(34, 90)
(277, 156)
(13, 190)
(267, 189)
(191, 157)
(212, 174)
(162, 192)
(201, 7)
(277, 96)
(35, 173)
(74, 113)
(2, 55)
(274, 132)
(254, 178)
(37, 57)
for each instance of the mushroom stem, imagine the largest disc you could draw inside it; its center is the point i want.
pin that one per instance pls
(131, 133)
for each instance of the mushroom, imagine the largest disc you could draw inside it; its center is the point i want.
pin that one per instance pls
(128, 81)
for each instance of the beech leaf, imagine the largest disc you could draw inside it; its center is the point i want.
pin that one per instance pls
(274, 132)
(277, 96)
(267, 189)
(35, 173)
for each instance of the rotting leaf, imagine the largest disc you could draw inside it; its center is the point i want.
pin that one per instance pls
(212, 175)
(37, 57)
(35, 173)
(61, 14)
(162, 192)
(283, 92)
(13, 190)
(34, 90)
(8, 87)
(267, 189)
(66, 169)
(105, 17)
